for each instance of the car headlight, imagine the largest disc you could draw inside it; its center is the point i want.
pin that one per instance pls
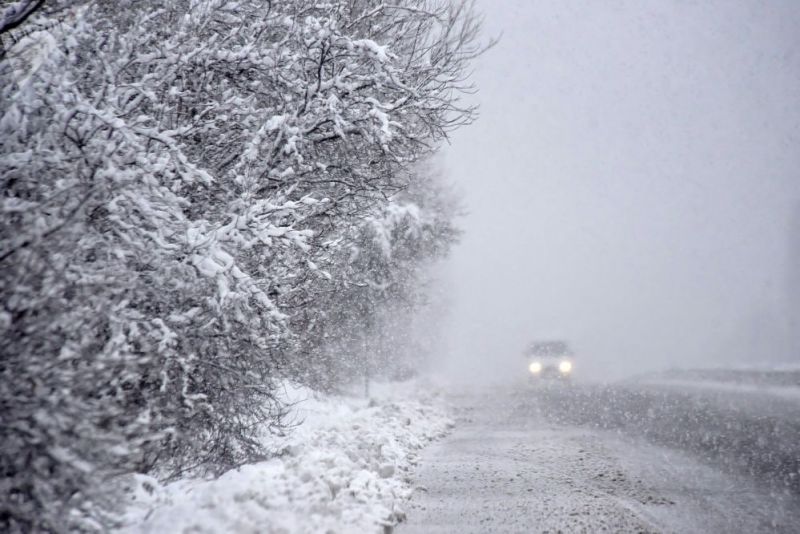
(535, 367)
(565, 366)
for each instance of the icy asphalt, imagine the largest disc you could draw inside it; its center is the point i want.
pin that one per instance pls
(627, 458)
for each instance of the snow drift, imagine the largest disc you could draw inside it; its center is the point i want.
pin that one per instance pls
(345, 468)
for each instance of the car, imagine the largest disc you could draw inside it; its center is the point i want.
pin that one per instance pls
(549, 360)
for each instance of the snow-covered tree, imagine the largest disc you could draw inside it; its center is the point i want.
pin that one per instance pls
(378, 271)
(190, 188)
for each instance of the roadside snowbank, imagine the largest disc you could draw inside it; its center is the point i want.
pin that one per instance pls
(343, 469)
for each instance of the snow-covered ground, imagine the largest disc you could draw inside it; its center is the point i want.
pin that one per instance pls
(776, 381)
(515, 465)
(345, 468)
(789, 392)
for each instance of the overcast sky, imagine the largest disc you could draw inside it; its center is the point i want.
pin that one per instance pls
(630, 184)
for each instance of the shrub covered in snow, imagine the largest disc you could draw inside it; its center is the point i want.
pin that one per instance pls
(199, 197)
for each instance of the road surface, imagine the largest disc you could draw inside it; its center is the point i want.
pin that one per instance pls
(624, 458)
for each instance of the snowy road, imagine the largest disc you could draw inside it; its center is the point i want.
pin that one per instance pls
(629, 458)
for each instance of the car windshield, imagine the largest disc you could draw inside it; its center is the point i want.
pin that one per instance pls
(548, 349)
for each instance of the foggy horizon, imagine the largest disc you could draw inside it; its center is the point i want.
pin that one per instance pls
(629, 186)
